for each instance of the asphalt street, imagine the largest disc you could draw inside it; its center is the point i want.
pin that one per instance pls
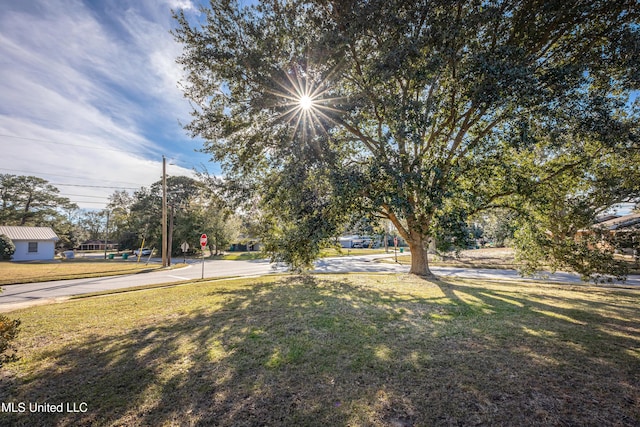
(364, 264)
(17, 296)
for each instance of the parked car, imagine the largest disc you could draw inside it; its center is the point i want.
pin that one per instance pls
(145, 251)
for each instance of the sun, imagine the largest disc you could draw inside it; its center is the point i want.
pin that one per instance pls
(306, 103)
(303, 100)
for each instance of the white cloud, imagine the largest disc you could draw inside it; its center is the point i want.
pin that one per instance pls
(157, 54)
(181, 4)
(80, 160)
(72, 76)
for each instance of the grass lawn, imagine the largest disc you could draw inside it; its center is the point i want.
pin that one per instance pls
(28, 272)
(333, 350)
(239, 256)
(329, 252)
(502, 258)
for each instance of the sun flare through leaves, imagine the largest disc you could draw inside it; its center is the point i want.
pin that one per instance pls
(305, 101)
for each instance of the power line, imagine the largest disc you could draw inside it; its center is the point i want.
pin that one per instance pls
(96, 186)
(71, 145)
(62, 176)
(84, 195)
(184, 163)
(93, 203)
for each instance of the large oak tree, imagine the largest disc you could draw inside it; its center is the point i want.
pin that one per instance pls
(421, 112)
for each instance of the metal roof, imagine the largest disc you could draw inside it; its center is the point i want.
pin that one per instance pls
(28, 233)
(620, 222)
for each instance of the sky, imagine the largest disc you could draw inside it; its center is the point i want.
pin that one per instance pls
(89, 95)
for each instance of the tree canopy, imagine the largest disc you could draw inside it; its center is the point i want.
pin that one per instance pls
(194, 208)
(30, 201)
(33, 201)
(420, 112)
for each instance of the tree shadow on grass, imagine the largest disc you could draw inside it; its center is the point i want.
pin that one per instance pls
(317, 351)
(579, 357)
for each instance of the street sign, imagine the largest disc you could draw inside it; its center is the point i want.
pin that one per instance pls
(203, 244)
(395, 247)
(185, 247)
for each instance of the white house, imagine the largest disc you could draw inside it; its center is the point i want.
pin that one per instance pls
(357, 241)
(32, 243)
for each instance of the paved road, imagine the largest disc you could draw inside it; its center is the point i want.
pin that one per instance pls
(367, 264)
(16, 296)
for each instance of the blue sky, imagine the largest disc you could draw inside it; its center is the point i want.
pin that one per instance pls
(89, 95)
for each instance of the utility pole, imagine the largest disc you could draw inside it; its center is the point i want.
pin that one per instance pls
(170, 239)
(106, 236)
(164, 211)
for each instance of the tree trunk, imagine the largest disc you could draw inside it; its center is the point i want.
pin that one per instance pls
(418, 243)
(419, 260)
(25, 213)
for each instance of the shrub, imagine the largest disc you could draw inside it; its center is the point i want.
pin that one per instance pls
(7, 248)
(591, 255)
(8, 331)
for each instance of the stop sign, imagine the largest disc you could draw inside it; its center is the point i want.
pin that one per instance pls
(203, 240)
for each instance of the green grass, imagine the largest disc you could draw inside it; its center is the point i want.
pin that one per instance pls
(330, 252)
(240, 256)
(500, 258)
(29, 272)
(227, 256)
(452, 261)
(359, 350)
